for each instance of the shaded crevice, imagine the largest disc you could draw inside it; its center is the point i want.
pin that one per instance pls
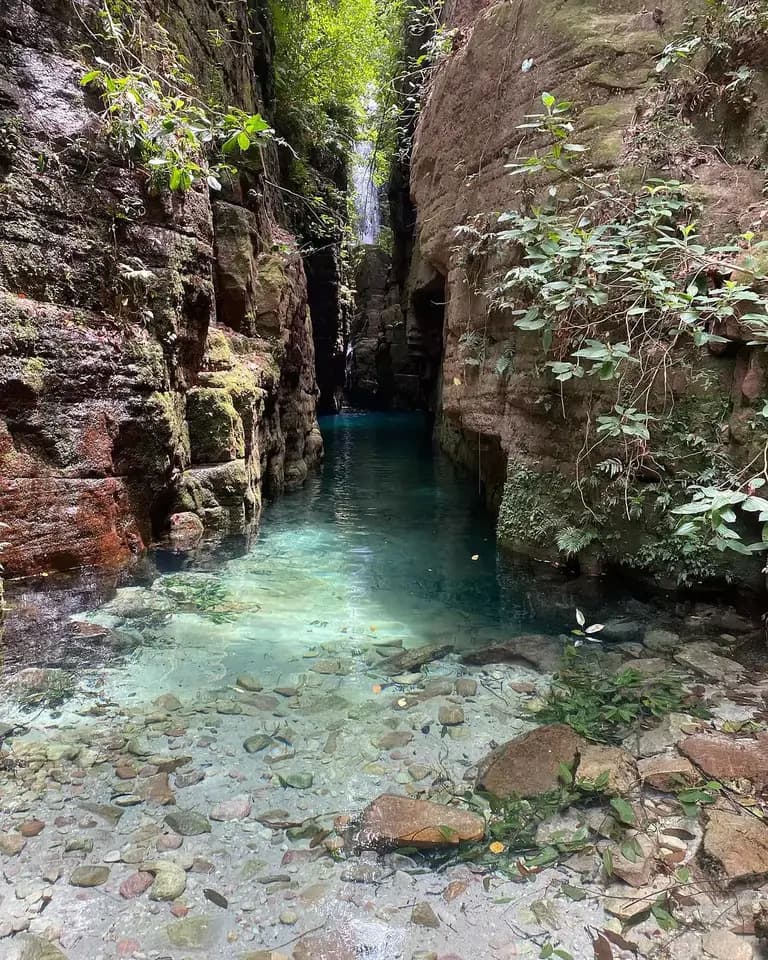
(425, 339)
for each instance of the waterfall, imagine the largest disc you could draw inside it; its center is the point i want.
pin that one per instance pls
(366, 194)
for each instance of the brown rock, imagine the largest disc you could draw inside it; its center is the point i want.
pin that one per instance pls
(727, 758)
(394, 739)
(636, 871)
(330, 945)
(667, 772)
(595, 759)
(399, 821)
(413, 659)
(424, 916)
(538, 650)
(737, 846)
(454, 889)
(31, 828)
(158, 790)
(529, 765)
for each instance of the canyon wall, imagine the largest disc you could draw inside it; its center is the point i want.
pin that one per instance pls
(156, 353)
(512, 421)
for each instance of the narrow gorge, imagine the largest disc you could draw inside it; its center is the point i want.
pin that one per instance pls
(383, 470)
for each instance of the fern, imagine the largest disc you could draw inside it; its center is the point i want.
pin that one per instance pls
(570, 540)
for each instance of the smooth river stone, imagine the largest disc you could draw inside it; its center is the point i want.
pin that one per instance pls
(187, 823)
(238, 808)
(89, 876)
(170, 880)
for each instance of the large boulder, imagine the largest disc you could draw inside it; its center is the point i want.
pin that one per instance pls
(736, 845)
(531, 764)
(394, 821)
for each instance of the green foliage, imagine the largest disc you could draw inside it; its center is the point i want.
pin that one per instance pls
(555, 122)
(155, 116)
(711, 57)
(711, 516)
(572, 540)
(621, 287)
(693, 799)
(326, 59)
(206, 597)
(605, 706)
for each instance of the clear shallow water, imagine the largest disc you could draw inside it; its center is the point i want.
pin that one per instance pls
(389, 541)
(374, 554)
(379, 544)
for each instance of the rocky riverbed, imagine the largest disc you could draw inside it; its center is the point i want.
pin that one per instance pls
(251, 816)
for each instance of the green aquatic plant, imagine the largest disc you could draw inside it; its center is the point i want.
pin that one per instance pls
(206, 597)
(59, 687)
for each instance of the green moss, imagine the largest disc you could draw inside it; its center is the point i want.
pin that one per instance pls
(218, 350)
(215, 428)
(33, 374)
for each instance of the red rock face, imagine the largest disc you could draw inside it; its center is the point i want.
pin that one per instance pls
(97, 371)
(100, 524)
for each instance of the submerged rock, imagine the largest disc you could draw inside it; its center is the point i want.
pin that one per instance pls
(187, 823)
(450, 714)
(331, 945)
(11, 844)
(393, 820)
(191, 932)
(238, 808)
(410, 660)
(29, 947)
(424, 916)
(170, 880)
(89, 876)
(537, 650)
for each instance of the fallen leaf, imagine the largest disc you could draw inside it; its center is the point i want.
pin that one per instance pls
(215, 897)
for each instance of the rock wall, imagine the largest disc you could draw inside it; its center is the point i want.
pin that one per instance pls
(517, 429)
(156, 351)
(381, 372)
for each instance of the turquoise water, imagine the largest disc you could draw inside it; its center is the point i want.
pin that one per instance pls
(387, 540)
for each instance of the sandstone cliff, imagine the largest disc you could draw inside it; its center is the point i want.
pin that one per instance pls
(512, 421)
(156, 351)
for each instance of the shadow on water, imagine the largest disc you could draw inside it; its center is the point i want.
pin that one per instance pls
(387, 532)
